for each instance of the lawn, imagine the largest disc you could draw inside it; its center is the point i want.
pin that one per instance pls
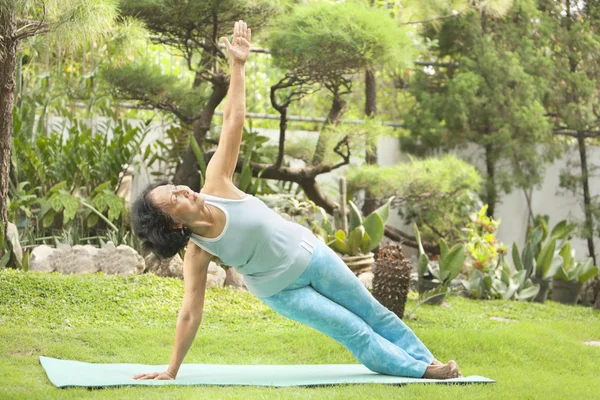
(533, 351)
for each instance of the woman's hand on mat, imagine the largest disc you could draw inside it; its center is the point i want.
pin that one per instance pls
(162, 376)
(239, 48)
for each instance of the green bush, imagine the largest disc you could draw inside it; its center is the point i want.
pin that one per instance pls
(437, 194)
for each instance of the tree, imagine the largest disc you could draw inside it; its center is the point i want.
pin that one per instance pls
(573, 103)
(72, 20)
(322, 45)
(491, 94)
(192, 28)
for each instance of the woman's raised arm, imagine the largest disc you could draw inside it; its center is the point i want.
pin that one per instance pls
(222, 165)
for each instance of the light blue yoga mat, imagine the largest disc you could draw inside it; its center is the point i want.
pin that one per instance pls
(65, 373)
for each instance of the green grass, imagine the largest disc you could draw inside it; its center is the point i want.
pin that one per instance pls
(110, 319)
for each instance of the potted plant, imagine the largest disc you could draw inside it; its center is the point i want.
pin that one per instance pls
(435, 278)
(540, 269)
(570, 277)
(543, 260)
(362, 236)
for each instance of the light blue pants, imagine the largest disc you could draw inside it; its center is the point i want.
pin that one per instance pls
(329, 298)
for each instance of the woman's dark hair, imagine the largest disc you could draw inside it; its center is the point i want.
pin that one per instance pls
(154, 227)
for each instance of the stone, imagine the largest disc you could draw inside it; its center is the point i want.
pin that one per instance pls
(12, 234)
(40, 259)
(122, 260)
(168, 267)
(216, 276)
(501, 319)
(414, 278)
(595, 343)
(74, 260)
(366, 278)
(234, 280)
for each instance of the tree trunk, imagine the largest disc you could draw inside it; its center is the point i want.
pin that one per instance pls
(337, 107)
(587, 201)
(187, 171)
(8, 27)
(491, 192)
(370, 203)
(282, 129)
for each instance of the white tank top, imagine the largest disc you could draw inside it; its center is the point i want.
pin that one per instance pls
(269, 251)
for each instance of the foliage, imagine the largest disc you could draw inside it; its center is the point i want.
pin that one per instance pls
(579, 271)
(149, 83)
(544, 259)
(324, 40)
(438, 194)
(8, 256)
(490, 276)
(449, 266)
(61, 172)
(363, 234)
(72, 21)
(494, 98)
(72, 151)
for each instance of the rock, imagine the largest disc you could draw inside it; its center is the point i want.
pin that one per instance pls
(216, 276)
(40, 259)
(168, 267)
(366, 278)
(122, 260)
(592, 343)
(414, 278)
(74, 260)
(234, 279)
(495, 318)
(12, 234)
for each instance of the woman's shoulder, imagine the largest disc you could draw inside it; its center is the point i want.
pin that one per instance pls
(225, 191)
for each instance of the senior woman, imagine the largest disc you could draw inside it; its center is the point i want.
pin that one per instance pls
(282, 262)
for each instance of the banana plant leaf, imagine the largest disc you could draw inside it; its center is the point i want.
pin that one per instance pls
(528, 261)
(528, 293)
(355, 217)
(544, 260)
(384, 210)
(339, 246)
(443, 249)
(374, 227)
(453, 261)
(590, 273)
(365, 245)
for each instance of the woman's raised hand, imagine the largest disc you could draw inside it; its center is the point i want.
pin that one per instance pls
(239, 48)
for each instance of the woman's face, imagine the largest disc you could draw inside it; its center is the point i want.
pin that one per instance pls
(180, 202)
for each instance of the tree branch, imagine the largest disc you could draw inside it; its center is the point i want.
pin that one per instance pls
(411, 241)
(574, 133)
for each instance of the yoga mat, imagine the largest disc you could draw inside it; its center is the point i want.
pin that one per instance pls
(66, 373)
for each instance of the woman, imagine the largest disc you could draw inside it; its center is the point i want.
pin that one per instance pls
(282, 262)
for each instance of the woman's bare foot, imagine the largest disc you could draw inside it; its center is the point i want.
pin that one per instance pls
(443, 371)
(437, 362)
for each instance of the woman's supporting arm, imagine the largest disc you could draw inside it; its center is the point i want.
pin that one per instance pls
(195, 271)
(221, 167)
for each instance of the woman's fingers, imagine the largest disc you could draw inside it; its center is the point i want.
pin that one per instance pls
(226, 41)
(151, 375)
